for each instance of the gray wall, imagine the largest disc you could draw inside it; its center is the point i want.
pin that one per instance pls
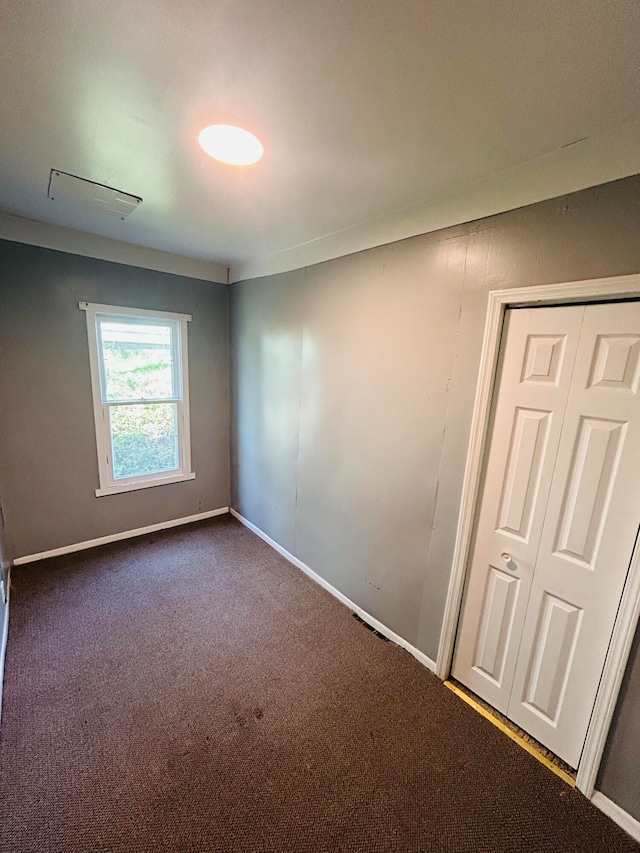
(353, 386)
(619, 777)
(48, 463)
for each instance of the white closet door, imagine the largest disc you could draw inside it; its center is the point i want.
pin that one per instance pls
(587, 537)
(538, 355)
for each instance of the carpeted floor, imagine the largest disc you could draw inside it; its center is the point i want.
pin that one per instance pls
(192, 691)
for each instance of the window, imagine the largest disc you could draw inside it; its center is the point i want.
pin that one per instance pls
(140, 381)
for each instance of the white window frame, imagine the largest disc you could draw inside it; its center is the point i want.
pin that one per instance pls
(108, 484)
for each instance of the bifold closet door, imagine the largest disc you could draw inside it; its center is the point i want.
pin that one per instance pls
(537, 359)
(558, 518)
(587, 538)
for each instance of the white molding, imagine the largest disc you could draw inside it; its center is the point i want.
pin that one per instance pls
(603, 157)
(21, 230)
(116, 537)
(618, 815)
(135, 486)
(629, 611)
(611, 681)
(471, 484)
(102, 406)
(5, 637)
(370, 620)
(98, 308)
(184, 408)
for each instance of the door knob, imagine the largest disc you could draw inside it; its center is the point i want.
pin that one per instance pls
(511, 564)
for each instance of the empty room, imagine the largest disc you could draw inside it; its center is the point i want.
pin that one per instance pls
(319, 426)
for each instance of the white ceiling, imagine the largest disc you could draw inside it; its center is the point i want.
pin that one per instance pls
(366, 108)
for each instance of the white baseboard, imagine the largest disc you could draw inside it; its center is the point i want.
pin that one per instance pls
(370, 620)
(618, 815)
(116, 537)
(5, 634)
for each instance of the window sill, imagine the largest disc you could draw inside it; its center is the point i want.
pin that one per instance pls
(143, 484)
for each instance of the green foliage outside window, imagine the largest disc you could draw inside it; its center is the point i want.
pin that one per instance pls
(143, 435)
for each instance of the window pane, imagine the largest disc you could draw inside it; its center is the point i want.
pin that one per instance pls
(144, 439)
(137, 359)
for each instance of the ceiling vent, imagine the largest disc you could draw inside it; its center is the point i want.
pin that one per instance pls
(99, 198)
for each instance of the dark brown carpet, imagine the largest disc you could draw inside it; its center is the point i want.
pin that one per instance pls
(192, 691)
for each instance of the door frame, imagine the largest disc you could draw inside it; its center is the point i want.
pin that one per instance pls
(593, 290)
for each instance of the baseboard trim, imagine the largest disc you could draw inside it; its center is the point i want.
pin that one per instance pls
(618, 815)
(116, 537)
(371, 620)
(5, 636)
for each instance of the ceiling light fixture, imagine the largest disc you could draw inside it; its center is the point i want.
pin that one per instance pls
(231, 144)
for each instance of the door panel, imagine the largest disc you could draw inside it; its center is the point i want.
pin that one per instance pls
(496, 623)
(537, 359)
(596, 458)
(587, 538)
(551, 657)
(527, 451)
(543, 359)
(616, 362)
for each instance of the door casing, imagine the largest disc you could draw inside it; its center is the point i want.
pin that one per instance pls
(627, 619)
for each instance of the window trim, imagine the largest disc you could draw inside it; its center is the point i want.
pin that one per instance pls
(109, 485)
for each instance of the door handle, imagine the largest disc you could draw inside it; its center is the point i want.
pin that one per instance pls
(511, 564)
